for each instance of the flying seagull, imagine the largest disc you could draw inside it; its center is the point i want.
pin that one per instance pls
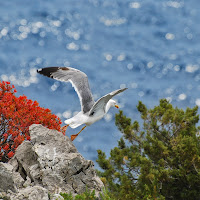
(91, 111)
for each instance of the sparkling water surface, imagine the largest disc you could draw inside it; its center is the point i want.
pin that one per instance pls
(151, 47)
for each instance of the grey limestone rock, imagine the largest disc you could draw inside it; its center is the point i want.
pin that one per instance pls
(30, 193)
(49, 163)
(6, 178)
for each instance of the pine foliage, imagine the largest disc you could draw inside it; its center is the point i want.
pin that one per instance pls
(159, 159)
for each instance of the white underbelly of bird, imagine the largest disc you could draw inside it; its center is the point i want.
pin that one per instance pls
(91, 111)
(82, 118)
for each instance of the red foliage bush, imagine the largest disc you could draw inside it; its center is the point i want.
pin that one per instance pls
(16, 115)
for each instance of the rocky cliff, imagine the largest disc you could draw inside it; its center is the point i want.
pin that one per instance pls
(45, 166)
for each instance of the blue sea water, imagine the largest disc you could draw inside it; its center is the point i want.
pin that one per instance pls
(150, 46)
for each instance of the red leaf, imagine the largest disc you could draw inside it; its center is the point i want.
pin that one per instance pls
(10, 154)
(6, 147)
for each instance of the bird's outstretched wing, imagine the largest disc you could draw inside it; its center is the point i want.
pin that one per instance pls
(78, 80)
(101, 103)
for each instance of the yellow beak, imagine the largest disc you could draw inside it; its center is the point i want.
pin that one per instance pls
(116, 106)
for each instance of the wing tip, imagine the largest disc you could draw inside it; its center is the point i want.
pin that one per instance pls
(39, 70)
(123, 89)
(47, 71)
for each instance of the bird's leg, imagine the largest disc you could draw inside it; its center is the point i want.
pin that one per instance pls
(74, 136)
(64, 128)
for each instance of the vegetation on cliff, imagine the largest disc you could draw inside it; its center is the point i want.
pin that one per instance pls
(16, 115)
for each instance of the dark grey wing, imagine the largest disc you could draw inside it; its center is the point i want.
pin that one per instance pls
(78, 80)
(101, 103)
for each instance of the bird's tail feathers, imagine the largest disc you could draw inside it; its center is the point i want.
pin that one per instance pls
(72, 124)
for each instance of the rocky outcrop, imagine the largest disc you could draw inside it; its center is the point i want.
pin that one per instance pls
(45, 166)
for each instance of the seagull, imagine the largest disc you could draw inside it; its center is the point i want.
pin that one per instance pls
(91, 111)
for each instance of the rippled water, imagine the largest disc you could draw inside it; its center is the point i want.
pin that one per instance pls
(151, 47)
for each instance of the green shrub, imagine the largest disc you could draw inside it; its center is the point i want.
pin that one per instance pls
(87, 195)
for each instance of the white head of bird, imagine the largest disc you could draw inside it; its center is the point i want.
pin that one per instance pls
(111, 103)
